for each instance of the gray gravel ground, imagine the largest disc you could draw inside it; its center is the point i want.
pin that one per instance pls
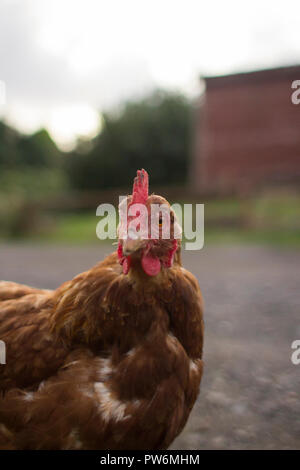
(250, 392)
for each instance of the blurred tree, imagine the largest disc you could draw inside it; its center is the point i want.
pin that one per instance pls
(19, 151)
(38, 150)
(153, 133)
(8, 145)
(30, 169)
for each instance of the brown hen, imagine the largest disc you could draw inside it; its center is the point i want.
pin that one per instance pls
(111, 359)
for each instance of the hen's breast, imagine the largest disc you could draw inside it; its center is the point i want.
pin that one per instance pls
(147, 393)
(132, 389)
(153, 373)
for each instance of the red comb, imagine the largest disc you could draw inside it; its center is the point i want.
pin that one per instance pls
(140, 187)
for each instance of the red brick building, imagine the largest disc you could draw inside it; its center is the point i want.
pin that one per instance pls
(247, 132)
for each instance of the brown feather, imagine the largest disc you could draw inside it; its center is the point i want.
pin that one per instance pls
(106, 361)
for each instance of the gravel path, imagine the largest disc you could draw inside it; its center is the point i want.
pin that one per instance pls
(250, 393)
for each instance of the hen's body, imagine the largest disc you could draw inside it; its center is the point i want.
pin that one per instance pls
(113, 358)
(104, 362)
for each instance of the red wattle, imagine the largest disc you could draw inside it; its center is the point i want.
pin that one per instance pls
(126, 265)
(171, 254)
(151, 264)
(120, 252)
(125, 261)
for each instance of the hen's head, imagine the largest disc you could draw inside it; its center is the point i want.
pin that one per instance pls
(148, 230)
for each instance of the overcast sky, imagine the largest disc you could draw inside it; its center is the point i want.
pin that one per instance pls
(62, 61)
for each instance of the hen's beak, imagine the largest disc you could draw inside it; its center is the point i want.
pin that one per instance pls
(131, 246)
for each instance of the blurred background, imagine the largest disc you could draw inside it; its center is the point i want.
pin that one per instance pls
(198, 94)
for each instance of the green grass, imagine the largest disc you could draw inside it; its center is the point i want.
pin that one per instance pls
(71, 228)
(272, 219)
(74, 228)
(283, 238)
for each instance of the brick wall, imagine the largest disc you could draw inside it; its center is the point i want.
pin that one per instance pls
(247, 132)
